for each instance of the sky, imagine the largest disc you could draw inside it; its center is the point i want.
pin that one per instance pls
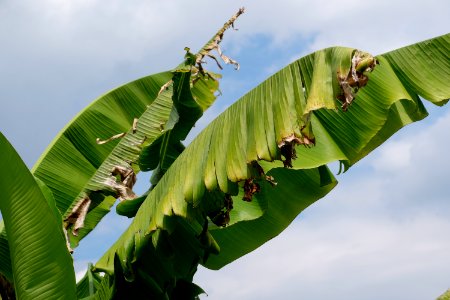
(382, 233)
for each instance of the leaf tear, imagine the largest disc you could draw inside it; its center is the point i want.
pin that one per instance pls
(362, 64)
(135, 122)
(222, 217)
(114, 137)
(213, 44)
(227, 59)
(217, 62)
(250, 188)
(66, 236)
(165, 86)
(122, 181)
(271, 180)
(287, 148)
(262, 174)
(78, 215)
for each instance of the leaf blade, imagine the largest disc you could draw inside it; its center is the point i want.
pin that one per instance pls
(390, 104)
(41, 263)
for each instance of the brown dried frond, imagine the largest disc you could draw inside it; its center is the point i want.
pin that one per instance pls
(350, 83)
(250, 188)
(78, 214)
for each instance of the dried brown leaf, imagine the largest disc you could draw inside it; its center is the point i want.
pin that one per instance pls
(135, 122)
(250, 188)
(124, 184)
(114, 137)
(213, 44)
(362, 63)
(77, 215)
(165, 86)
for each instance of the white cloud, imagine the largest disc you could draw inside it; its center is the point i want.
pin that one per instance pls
(395, 156)
(415, 162)
(347, 257)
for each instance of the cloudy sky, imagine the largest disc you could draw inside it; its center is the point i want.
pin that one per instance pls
(383, 233)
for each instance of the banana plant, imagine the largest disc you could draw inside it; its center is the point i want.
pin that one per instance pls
(94, 160)
(240, 183)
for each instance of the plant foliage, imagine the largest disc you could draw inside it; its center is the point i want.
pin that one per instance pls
(240, 183)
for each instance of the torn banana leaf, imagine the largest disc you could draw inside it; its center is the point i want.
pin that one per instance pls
(294, 192)
(86, 177)
(75, 167)
(184, 115)
(41, 263)
(240, 153)
(81, 174)
(191, 96)
(94, 159)
(388, 102)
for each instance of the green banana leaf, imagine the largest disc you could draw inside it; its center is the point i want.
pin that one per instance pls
(105, 291)
(186, 112)
(74, 166)
(41, 264)
(388, 102)
(5, 261)
(191, 96)
(95, 286)
(285, 112)
(95, 158)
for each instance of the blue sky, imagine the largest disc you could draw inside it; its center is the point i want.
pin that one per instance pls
(381, 234)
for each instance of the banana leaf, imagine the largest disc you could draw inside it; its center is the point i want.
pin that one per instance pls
(278, 121)
(95, 158)
(388, 102)
(41, 263)
(74, 166)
